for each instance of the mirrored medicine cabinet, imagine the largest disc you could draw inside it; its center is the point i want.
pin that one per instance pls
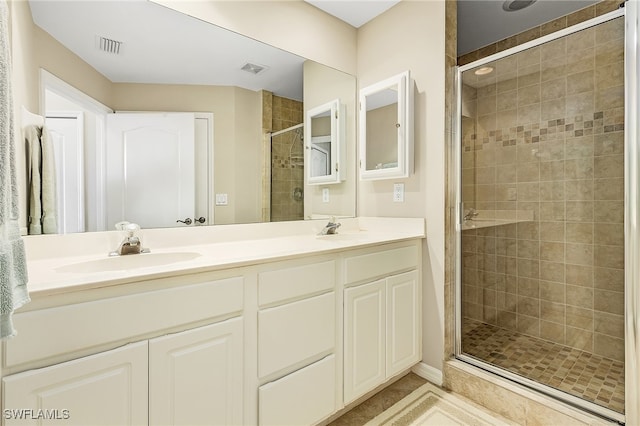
(386, 128)
(325, 144)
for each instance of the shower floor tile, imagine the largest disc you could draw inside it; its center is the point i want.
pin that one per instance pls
(591, 377)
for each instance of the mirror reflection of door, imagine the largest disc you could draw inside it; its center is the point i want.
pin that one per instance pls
(320, 156)
(150, 169)
(321, 144)
(382, 129)
(66, 131)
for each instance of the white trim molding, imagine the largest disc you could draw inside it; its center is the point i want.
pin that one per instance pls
(429, 373)
(632, 214)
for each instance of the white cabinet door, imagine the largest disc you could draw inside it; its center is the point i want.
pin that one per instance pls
(364, 347)
(403, 322)
(195, 377)
(109, 388)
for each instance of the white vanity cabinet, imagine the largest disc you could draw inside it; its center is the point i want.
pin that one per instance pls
(109, 388)
(381, 319)
(195, 376)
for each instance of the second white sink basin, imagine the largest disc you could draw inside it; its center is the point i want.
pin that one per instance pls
(128, 262)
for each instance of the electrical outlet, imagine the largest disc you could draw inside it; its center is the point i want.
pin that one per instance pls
(325, 195)
(222, 199)
(398, 192)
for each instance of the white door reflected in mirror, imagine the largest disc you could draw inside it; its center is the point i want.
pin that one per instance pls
(386, 128)
(150, 168)
(324, 144)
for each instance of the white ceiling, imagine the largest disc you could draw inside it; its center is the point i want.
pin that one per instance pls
(354, 12)
(482, 22)
(163, 46)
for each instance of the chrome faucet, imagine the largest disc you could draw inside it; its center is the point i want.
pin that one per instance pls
(330, 228)
(471, 214)
(131, 244)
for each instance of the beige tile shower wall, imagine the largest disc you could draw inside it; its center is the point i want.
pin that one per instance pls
(287, 152)
(549, 139)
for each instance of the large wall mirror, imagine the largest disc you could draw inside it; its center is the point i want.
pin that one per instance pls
(147, 84)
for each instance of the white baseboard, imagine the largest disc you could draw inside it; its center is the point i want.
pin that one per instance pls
(428, 372)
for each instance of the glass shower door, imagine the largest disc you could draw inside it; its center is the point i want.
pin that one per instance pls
(542, 220)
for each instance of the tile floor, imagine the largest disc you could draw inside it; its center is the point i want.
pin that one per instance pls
(579, 373)
(380, 402)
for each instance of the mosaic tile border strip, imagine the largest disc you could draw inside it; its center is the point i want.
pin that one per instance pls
(558, 129)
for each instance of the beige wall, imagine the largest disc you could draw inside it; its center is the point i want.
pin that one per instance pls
(248, 157)
(317, 81)
(318, 36)
(411, 36)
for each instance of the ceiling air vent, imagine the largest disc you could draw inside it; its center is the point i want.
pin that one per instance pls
(253, 68)
(109, 45)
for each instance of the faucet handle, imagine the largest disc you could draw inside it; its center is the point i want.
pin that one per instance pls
(121, 226)
(127, 226)
(131, 228)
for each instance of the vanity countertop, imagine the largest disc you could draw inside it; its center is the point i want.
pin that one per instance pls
(65, 263)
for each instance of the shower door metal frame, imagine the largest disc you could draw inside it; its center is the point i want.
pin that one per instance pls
(631, 222)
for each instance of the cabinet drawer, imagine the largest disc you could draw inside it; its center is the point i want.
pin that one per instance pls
(302, 398)
(290, 283)
(84, 325)
(295, 332)
(369, 266)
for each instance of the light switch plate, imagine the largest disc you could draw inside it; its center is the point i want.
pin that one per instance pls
(398, 192)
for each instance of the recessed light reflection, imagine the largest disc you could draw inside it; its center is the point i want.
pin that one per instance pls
(484, 71)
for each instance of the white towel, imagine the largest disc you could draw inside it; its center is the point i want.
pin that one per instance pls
(42, 186)
(13, 265)
(49, 205)
(34, 153)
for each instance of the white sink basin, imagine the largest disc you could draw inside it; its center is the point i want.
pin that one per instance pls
(128, 262)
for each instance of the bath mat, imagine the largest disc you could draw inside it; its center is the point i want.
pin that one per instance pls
(429, 405)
